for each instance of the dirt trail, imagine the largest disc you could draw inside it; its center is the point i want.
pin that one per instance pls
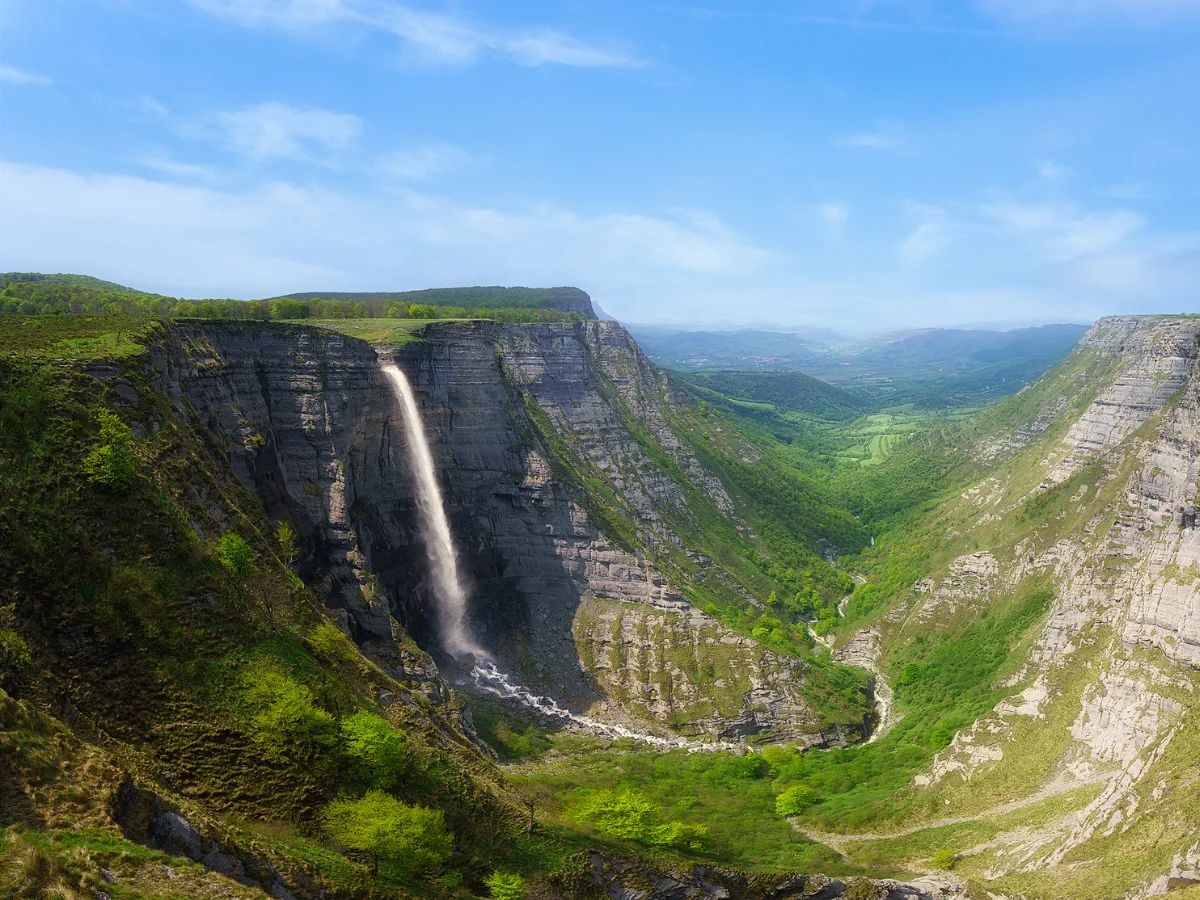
(837, 841)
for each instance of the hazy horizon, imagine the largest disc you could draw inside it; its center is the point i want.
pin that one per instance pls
(862, 166)
(852, 332)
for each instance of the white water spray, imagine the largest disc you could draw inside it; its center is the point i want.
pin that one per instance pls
(435, 528)
(492, 680)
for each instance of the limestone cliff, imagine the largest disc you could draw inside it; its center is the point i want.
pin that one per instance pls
(562, 475)
(1101, 507)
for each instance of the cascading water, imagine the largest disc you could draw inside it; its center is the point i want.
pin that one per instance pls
(451, 596)
(492, 680)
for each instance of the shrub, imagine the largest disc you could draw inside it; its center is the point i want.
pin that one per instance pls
(328, 642)
(14, 652)
(627, 815)
(110, 463)
(238, 557)
(631, 816)
(776, 756)
(944, 858)
(285, 537)
(680, 834)
(729, 770)
(795, 800)
(284, 717)
(512, 740)
(505, 886)
(826, 620)
(376, 752)
(411, 838)
(864, 600)
(941, 737)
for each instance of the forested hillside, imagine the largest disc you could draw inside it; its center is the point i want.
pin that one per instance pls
(562, 299)
(793, 391)
(31, 293)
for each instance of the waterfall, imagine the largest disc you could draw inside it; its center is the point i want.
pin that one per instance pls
(448, 590)
(451, 597)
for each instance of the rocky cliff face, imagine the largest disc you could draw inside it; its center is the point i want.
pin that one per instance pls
(1104, 710)
(627, 879)
(530, 424)
(1157, 359)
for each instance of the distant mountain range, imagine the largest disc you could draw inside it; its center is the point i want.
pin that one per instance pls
(930, 367)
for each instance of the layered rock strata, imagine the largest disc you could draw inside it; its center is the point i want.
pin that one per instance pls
(309, 423)
(1107, 695)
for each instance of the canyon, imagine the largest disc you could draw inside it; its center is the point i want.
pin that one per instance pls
(310, 424)
(595, 624)
(534, 515)
(1097, 504)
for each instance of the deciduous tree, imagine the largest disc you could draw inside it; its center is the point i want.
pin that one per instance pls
(411, 838)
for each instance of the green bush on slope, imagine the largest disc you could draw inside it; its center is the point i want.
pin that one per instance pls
(376, 752)
(506, 886)
(411, 838)
(237, 556)
(631, 816)
(15, 654)
(329, 644)
(284, 719)
(110, 463)
(795, 800)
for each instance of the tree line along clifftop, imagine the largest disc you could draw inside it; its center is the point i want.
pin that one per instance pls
(32, 293)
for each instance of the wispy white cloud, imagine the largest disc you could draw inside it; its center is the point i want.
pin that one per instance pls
(148, 104)
(9, 75)
(276, 130)
(270, 239)
(1065, 231)
(547, 46)
(433, 37)
(834, 215)
(181, 170)
(1167, 271)
(875, 140)
(929, 237)
(289, 14)
(1052, 171)
(420, 161)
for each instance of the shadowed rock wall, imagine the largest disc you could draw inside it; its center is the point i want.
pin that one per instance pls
(309, 422)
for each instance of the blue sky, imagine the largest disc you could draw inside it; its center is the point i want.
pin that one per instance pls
(865, 165)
